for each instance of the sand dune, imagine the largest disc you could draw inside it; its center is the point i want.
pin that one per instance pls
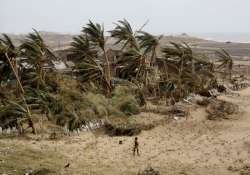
(193, 147)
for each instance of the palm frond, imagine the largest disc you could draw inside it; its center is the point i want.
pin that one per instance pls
(95, 33)
(123, 32)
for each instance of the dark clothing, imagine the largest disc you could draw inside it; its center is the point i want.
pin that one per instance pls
(136, 148)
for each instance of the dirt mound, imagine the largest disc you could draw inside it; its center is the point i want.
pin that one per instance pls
(149, 171)
(219, 109)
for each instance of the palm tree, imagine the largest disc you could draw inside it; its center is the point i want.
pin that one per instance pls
(186, 64)
(190, 71)
(226, 62)
(38, 55)
(124, 33)
(95, 34)
(88, 69)
(9, 54)
(133, 60)
(149, 43)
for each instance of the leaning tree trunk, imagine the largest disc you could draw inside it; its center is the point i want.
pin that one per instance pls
(153, 56)
(31, 124)
(107, 70)
(179, 79)
(229, 72)
(16, 70)
(40, 73)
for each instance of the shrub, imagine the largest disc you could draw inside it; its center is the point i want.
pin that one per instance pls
(128, 105)
(125, 101)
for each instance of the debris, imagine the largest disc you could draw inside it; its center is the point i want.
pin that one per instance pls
(203, 101)
(219, 109)
(67, 165)
(43, 171)
(149, 171)
(177, 118)
(179, 111)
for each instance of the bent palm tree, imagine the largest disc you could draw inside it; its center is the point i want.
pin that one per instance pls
(226, 61)
(10, 55)
(38, 55)
(149, 43)
(84, 54)
(191, 70)
(95, 34)
(123, 32)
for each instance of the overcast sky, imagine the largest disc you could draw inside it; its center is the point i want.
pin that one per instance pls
(165, 16)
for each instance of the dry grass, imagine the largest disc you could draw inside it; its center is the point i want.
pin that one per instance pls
(19, 159)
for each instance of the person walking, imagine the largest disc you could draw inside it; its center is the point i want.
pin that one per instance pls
(136, 147)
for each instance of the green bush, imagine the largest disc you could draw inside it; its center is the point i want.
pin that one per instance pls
(124, 101)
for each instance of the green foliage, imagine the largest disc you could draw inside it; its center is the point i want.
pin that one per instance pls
(81, 48)
(7, 48)
(95, 33)
(37, 55)
(147, 41)
(12, 113)
(123, 32)
(124, 101)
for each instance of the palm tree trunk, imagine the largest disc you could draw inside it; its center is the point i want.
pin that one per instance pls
(193, 68)
(15, 73)
(179, 79)
(16, 70)
(230, 72)
(165, 69)
(107, 69)
(40, 74)
(31, 124)
(152, 59)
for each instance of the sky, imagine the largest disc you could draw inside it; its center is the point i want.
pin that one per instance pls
(165, 16)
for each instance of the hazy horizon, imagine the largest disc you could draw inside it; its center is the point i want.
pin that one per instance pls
(206, 18)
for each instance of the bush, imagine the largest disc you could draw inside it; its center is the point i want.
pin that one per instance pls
(219, 109)
(128, 105)
(124, 101)
(122, 129)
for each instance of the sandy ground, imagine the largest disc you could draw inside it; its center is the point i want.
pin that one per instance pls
(194, 146)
